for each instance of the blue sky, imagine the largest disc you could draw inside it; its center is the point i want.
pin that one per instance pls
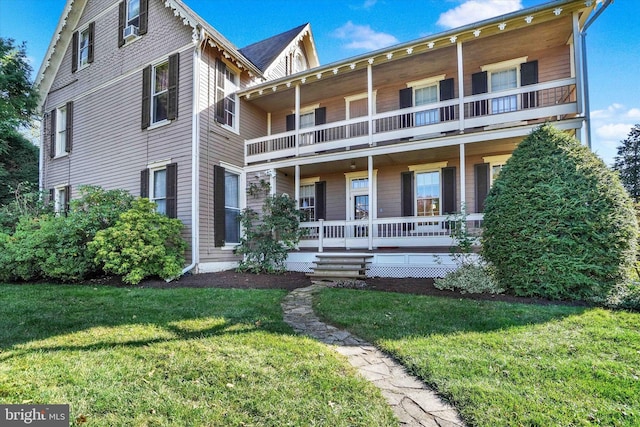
(344, 28)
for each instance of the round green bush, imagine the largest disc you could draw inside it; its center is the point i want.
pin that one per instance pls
(558, 223)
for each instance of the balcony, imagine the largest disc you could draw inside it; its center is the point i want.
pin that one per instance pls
(553, 99)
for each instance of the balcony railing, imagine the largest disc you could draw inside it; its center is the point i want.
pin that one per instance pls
(385, 232)
(555, 98)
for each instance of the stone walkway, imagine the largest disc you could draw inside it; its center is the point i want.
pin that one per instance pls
(412, 401)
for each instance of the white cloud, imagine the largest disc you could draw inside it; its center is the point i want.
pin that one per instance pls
(477, 10)
(634, 113)
(609, 127)
(363, 37)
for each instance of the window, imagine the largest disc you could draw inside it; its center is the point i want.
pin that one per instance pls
(226, 102)
(428, 193)
(132, 20)
(427, 91)
(308, 201)
(501, 76)
(232, 207)
(83, 52)
(159, 92)
(61, 126)
(133, 13)
(496, 163)
(60, 197)
(82, 47)
(423, 96)
(159, 183)
(307, 120)
(159, 190)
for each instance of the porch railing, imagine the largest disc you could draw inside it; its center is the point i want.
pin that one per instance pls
(549, 99)
(385, 232)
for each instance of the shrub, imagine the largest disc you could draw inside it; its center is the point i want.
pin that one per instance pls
(56, 246)
(626, 296)
(142, 243)
(27, 201)
(558, 223)
(469, 278)
(268, 239)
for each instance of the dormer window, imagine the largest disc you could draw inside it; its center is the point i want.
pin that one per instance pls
(133, 13)
(132, 20)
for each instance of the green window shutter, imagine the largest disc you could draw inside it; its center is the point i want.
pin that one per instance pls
(447, 92)
(291, 122)
(144, 183)
(144, 17)
(68, 141)
(406, 194)
(482, 184)
(92, 33)
(146, 97)
(449, 190)
(74, 52)
(321, 200)
(219, 234)
(529, 76)
(172, 190)
(52, 133)
(174, 69)
(122, 11)
(479, 85)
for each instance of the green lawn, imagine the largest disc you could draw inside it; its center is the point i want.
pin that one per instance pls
(178, 357)
(506, 364)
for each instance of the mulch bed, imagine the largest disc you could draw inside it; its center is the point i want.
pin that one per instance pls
(292, 280)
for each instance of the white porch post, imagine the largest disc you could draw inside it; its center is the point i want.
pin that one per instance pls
(460, 88)
(577, 51)
(296, 184)
(372, 204)
(463, 181)
(370, 102)
(297, 124)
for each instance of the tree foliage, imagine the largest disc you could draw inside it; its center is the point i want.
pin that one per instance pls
(557, 222)
(269, 237)
(627, 162)
(18, 103)
(18, 98)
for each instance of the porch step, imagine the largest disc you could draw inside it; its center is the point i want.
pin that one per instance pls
(340, 266)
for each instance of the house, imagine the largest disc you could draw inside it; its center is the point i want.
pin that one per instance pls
(377, 149)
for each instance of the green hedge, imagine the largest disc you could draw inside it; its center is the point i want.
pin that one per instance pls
(558, 223)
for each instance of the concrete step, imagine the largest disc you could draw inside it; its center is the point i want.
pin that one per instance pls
(340, 267)
(334, 278)
(354, 262)
(328, 273)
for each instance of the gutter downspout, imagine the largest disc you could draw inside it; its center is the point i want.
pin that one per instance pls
(41, 157)
(585, 79)
(195, 155)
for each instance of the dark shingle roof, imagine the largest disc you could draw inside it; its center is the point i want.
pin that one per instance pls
(264, 52)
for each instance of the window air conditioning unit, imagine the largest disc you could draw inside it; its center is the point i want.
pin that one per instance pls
(130, 32)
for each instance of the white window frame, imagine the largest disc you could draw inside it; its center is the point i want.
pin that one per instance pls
(430, 116)
(511, 64)
(154, 94)
(231, 87)
(350, 191)
(61, 131)
(152, 189)
(59, 196)
(81, 36)
(427, 168)
(129, 21)
(242, 202)
(495, 161)
(309, 182)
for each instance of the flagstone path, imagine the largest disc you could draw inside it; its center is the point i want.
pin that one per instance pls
(412, 401)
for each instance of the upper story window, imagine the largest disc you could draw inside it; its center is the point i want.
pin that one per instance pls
(61, 130)
(82, 47)
(425, 92)
(133, 13)
(160, 92)
(226, 98)
(132, 20)
(504, 76)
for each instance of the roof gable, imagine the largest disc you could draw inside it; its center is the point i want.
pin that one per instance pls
(265, 52)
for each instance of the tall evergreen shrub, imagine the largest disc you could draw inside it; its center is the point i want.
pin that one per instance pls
(558, 223)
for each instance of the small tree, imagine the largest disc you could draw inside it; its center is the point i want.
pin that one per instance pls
(627, 163)
(558, 223)
(268, 237)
